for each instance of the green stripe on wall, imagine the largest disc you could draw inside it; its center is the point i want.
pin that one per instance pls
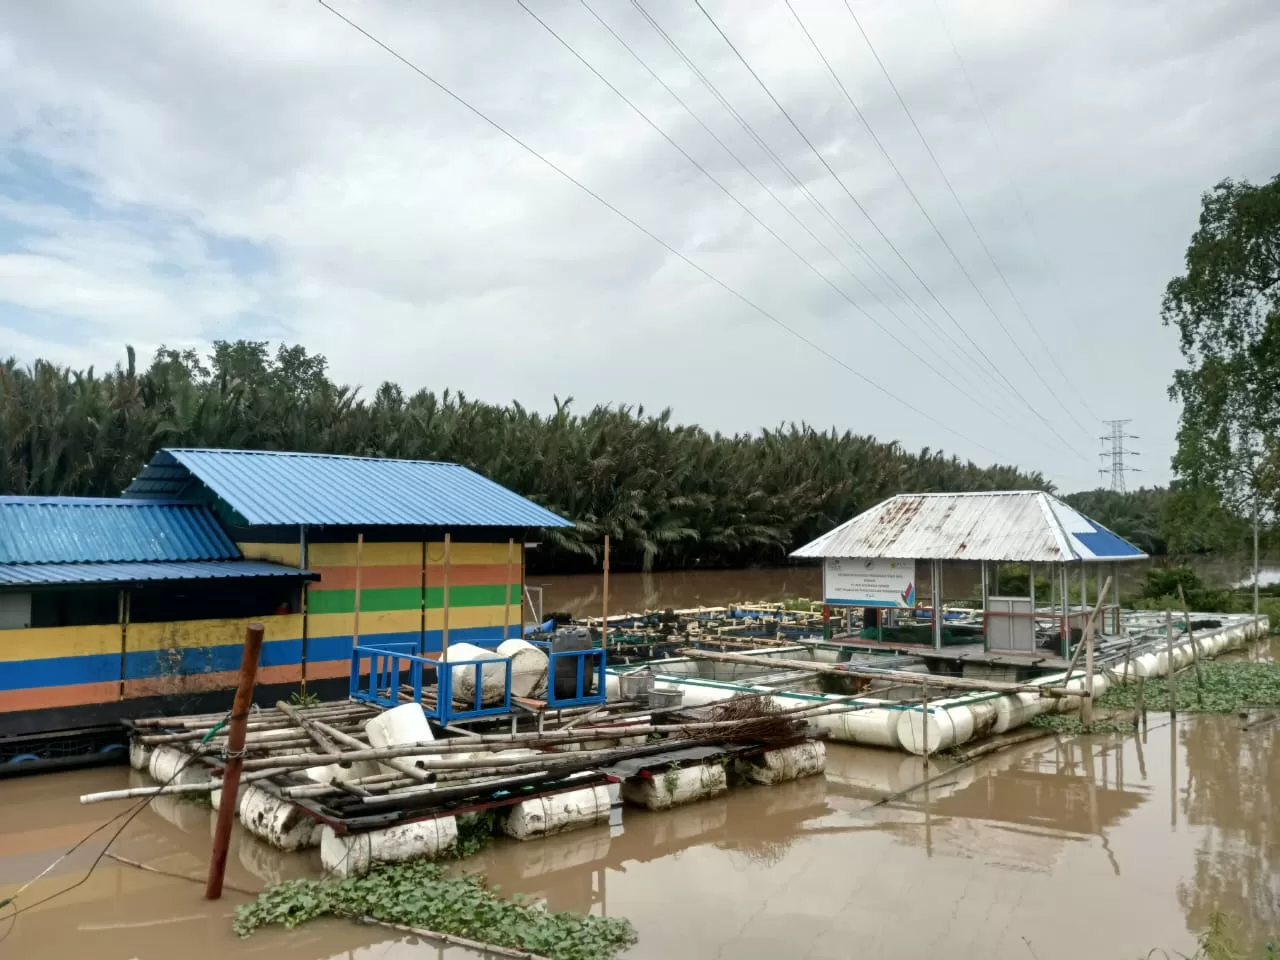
(407, 598)
(483, 596)
(383, 598)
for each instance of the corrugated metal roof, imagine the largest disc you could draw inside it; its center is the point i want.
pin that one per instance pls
(45, 574)
(1020, 526)
(94, 530)
(268, 487)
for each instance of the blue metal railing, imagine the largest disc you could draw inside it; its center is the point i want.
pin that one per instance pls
(381, 685)
(583, 668)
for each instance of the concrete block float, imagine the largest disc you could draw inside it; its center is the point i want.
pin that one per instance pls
(280, 823)
(355, 854)
(671, 788)
(787, 763)
(559, 813)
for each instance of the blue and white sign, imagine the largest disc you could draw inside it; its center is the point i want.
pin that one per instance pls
(875, 582)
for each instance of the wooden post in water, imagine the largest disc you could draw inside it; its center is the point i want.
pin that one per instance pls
(1086, 706)
(924, 727)
(604, 611)
(506, 612)
(1173, 673)
(355, 623)
(444, 614)
(1195, 650)
(235, 760)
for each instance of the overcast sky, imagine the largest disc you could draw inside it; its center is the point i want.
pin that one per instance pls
(182, 172)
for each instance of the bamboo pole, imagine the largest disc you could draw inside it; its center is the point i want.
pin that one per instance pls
(1195, 650)
(355, 623)
(1086, 705)
(171, 789)
(604, 611)
(313, 732)
(449, 938)
(444, 632)
(901, 676)
(408, 769)
(1173, 673)
(506, 606)
(1075, 656)
(235, 759)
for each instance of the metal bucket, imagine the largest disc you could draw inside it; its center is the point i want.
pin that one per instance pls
(662, 699)
(636, 684)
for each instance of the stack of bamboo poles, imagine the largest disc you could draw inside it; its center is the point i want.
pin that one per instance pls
(284, 742)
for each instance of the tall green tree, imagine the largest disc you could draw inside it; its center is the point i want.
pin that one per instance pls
(1226, 308)
(669, 495)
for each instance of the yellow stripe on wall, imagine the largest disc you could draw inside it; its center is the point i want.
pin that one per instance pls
(284, 553)
(374, 555)
(384, 621)
(206, 633)
(460, 617)
(474, 553)
(43, 643)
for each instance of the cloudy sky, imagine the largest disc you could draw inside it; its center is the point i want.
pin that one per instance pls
(181, 172)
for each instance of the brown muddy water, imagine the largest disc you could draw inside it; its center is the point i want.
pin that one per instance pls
(1094, 847)
(581, 595)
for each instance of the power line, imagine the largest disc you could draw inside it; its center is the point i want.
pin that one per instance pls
(745, 209)
(1010, 181)
(457, 98)
(789, 175)
(972, 226)
(1115, 456)
(892, 246)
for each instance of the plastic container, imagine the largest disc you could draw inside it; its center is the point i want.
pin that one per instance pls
(566, 668)
(397, 727)
(493, 679)
(528, 667)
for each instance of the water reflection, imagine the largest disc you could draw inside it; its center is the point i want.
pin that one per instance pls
(1232, 794)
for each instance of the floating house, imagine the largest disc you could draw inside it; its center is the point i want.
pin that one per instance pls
(112, 608)
(875, 560)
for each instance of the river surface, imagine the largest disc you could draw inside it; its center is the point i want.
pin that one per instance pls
(1100, 847)
(582, 594)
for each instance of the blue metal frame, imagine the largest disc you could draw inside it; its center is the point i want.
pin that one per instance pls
(580, 698)
(382, 685)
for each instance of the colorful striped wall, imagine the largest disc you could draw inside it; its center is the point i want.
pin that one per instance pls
(78, 666)
(401, 600)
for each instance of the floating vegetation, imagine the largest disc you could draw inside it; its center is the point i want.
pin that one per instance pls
(1071, 725)
(1225, 686)
(421, 895)
(1216, 942)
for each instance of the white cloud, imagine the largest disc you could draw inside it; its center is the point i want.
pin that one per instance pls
(201, 170)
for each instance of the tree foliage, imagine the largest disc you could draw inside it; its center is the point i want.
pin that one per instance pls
(669, 495)
(1226, 308)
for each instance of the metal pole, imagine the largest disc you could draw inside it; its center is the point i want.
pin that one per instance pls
(1115, 594)
(604, 606)
(235, 760)
(937, 604)
(1255, 557)
(985, 596)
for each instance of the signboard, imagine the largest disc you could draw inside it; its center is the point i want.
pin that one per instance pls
(869, 583)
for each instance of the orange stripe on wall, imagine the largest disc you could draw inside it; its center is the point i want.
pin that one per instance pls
(75, 695)
(371, 578)
(204, 682)
(329, 669)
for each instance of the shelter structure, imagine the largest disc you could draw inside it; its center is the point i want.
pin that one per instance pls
(125, 607)
(873, 561)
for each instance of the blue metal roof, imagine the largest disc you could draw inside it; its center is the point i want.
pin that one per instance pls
(273, 488)
(42, 530)
(45, 574)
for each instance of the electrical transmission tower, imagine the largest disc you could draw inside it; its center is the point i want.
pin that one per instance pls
(1113, 459)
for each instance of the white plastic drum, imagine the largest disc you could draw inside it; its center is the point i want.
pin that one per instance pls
(528, 667)
(493, 679)
(398, 726)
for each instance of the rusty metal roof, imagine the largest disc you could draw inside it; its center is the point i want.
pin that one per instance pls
(1027, 526)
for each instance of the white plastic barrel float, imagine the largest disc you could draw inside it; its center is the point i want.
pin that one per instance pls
(399, 726)
(528, 667)
(282, 824)
(493, 675)
(353, 854)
